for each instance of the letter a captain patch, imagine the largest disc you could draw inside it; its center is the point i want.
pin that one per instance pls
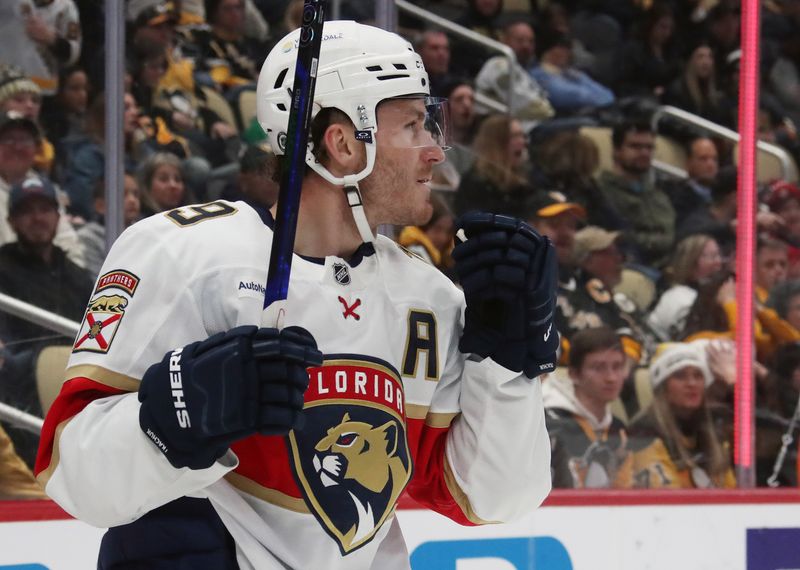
(105, 311)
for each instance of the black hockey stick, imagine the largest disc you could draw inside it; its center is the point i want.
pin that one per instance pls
(305, 78)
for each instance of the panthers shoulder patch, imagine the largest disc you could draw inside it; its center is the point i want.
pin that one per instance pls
(351, 458)
(105, 311)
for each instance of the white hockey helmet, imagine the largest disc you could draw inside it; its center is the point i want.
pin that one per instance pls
(359, 67)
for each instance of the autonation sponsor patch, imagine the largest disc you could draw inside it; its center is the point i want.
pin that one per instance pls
(250, 288)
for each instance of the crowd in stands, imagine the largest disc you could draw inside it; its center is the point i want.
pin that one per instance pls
(643, 396)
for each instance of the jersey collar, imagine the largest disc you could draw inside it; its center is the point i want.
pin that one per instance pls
(364, 250)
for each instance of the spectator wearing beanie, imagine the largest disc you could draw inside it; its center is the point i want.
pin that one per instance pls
(19, 93)
(675, 441)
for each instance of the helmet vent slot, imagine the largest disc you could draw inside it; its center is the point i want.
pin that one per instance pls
(400, 66)
(374, 68)
(281, 77)
(281, 106)
(395, 76)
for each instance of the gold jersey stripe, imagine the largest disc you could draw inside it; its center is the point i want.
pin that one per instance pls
(103, 376)
(416, 411)
(362, 364)
(460, 496)
(268, 495)
(432, 419)
(439, 420)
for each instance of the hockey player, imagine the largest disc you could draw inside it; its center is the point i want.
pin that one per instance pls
(266, 448)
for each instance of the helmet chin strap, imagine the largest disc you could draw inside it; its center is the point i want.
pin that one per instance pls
(351, 190)
(354, 200)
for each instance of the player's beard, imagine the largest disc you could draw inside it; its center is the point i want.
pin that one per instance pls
(391, 192)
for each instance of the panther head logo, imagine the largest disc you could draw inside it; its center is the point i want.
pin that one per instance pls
(351, 460)
(361, 457)
(370, 454)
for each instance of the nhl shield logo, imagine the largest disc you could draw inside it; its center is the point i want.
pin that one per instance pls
(351, 458)
(341, 273)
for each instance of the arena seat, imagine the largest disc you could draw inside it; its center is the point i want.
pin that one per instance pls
(50, 366)
(644, 389)
(670, 151)
(602, 138)
(769, 167)
(245, 108)
(637, 287)
(218, 104)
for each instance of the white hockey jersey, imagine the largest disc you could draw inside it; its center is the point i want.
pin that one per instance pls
(36, 61)
(464, 437)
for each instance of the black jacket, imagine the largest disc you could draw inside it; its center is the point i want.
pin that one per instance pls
(60, 287)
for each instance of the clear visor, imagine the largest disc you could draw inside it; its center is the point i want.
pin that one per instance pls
(414, 122)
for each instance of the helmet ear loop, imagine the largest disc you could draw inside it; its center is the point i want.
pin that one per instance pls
(351, 188)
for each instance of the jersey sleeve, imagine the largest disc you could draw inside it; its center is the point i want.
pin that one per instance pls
(483, 453)
(69, 30)
(94, 460)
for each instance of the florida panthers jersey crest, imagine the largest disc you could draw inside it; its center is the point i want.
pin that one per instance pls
(351, 458)
(105, 311)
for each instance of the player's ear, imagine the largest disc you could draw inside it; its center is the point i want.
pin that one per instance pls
(345, 154)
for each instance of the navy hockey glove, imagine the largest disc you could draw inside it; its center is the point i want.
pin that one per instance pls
(207, 395)
(509, 274)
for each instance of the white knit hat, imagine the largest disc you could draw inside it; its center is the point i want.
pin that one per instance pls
(13, 81)
(671, 357)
